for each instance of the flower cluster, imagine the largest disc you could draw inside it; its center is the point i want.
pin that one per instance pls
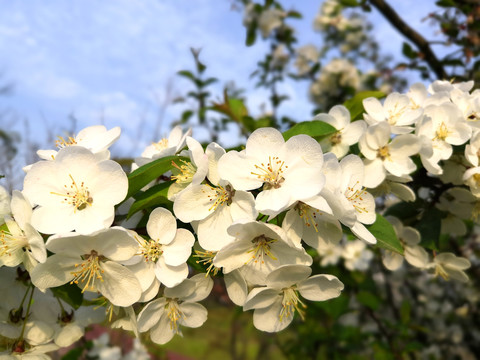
(260, 217)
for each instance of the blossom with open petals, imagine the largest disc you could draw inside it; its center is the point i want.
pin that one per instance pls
(74, 191)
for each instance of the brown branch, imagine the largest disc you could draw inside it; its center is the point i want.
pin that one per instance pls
(417, 39)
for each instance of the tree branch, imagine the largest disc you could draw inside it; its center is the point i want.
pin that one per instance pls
(420, 42)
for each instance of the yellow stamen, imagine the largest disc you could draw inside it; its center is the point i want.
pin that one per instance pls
(88, 271)
(272, 173)
(222, 196)
(308, 214)
(78, 196)
(206, 257)
(174, 313)
(355, 197)
(61, 142)
(183, 173)
(261, 248)
(290, 303)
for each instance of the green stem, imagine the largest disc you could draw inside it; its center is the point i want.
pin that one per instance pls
(27, 313)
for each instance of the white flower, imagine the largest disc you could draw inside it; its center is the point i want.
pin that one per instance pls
(312, 221)
(269, 20)
(357, 256)
(344, 192)
(306, 55)
(396, 110)
(410, 238)
(92, 262)
(74, 192)
(165, 147)
(95, 138)
(441, 127)
(348, 133)
(166, 253)
(259, 248)
(22, 243)
(212, 209)
(276, 304)
(288, 171)
(178, 306)
(449, 266)
(4, 203)
(383, 155)
(191, 172)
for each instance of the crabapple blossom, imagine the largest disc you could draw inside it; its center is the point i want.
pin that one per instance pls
(410, 239)
(384, 156)
(449, 266)
(95, 138)
(165, 147)
(166, 252)
(351, 204)
(21, 243)
(192, 172)
(177, 307)
(74, 191)
(277, 302)
(93, 262)
(347, 134)
(212, 209)
(259, 248)
(288, 171)
(396, 111)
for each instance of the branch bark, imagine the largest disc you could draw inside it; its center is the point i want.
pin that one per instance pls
(420, 42)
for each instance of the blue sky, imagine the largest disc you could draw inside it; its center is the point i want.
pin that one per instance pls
(111, 61)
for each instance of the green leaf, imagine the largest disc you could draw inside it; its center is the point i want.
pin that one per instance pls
(335, 307)
(405, 309)
(385, 234)
(294, 14)
(368, 299)
(149, 172)
(313, 128)
(355, 104)
(156, 195)
(429, 227)
(349, 3)
(408, 51)
(187, 74)
(403, 210)
(251, 35)
(71, 294)
(74, 354)
(446, 3)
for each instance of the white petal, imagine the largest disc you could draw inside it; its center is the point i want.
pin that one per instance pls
(268, 319)
(162, 226)
(194, 315)
(150, 314)
(119, 285)
(178, 251)
(261, 297)
(321, 288)
(170, 275)
(236, 287)
(362, 233)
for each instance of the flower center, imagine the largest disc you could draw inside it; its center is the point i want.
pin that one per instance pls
(151, 250)
(174, 313)
(161, 145)
(395, 113)
(308, 214)
(206, 258)
(261, 247)
(272, 173)
(336, 138)
(11, 244)
(383, 153)
(442, 132)
(183, 174)
(88, 271)
(61, 142)
(222, 196)
(290, 303)
(355, 195)
(76, 195)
